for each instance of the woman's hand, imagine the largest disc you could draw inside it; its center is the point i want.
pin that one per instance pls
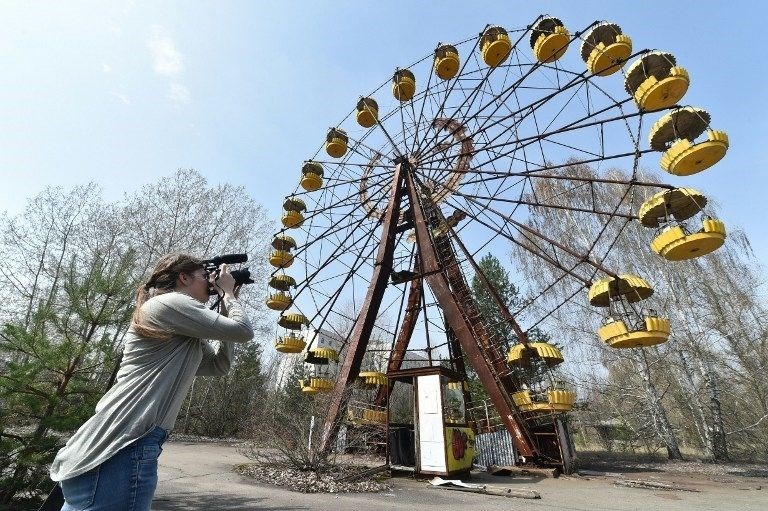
(223, 282)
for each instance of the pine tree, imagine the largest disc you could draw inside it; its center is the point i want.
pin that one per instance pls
(57, 366)
(498, 327)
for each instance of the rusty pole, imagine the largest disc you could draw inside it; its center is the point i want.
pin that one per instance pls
(463, 330)
(361, 331)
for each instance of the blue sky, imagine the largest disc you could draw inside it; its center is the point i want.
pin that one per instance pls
(122, 93)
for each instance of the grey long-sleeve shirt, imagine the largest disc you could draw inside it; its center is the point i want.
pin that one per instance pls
(154, 378)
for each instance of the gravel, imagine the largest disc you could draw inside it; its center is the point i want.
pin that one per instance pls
(312, 482)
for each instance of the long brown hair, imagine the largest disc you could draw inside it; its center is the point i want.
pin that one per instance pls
(162, 280)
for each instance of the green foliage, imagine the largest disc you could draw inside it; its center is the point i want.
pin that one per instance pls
(71, 266)
(499, 328)
(54, 371)
(223, 406)
(290, 395)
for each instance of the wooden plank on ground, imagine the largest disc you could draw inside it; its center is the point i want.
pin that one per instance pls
(651, 485)
(499, 492)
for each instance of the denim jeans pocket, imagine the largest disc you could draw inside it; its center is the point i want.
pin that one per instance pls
(80, 491)
(149, 453)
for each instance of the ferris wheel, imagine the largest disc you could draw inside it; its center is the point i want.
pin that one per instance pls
(444, 162)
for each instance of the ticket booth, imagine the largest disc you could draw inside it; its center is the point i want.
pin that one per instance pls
(439, 440)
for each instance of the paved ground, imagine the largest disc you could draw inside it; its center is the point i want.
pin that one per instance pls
(196, 476)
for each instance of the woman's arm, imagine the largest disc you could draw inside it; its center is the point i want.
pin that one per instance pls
(182, 315)
(216, 362)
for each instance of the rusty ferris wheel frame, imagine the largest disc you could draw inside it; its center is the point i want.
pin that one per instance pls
(475, 144)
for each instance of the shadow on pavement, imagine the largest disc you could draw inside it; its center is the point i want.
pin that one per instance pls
(192, 501)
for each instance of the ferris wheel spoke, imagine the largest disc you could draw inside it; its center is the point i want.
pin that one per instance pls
(350, 164)
(575, 125)
(449, 88)
(482, 108)
(522, 228)
(334, 298)
(481, 217)
(441, 108)
(524, 112)
(345, 204)
(577, 80)
(331, 230)
(354, 149)
(340, 247)
(468, 101)
(353, 180)
(380, 185)
(417, 120)
(535, 174)
(482, 142)
(557, 307)
(512, 128)
(486, 74)
(555, 206)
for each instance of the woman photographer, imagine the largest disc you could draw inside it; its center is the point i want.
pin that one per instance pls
(111, 461)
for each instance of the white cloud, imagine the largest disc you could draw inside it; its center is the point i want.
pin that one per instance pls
(115, 29)
(166, 59)
(122, 97)
(179, 94)
(106, 68)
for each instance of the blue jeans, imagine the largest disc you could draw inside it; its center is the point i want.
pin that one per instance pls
(125, 482)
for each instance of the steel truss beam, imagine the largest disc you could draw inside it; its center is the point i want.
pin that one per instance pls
(472, 337)
(361, 331)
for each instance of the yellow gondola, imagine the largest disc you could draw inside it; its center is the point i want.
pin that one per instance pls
(674, 243)
(674, 134)
(336, 142)
(446, 63)
(655, 81)
(294, 204)
(630, 287)
(678, 204)
(321, 356)
(549, 39)
(283, 242)
(292, 320)
(279, 301)
(280, 258)
(653, 330)
(315, 385)
(367, 112)
(292, 219)
(604, 49)
(458, 385)
(558, 400)
(282, 282)
(522, 400)
(520, 355)
(289, 344)
(494, 46)
(311, 176)
(373, 378)
(374, 416)
(403, 85)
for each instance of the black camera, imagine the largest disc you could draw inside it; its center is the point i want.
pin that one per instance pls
(241, 276)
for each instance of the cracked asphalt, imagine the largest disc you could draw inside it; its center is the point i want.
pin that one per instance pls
(199, 476)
